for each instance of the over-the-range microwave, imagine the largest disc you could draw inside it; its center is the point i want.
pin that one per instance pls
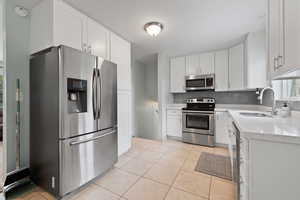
(199, 82)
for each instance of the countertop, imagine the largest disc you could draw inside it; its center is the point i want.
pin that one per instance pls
(225, 107)
(274, 128)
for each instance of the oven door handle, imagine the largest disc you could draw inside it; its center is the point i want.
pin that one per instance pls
(200, 112)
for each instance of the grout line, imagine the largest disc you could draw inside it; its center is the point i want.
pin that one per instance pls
(210, 185)
(140, 177)
(174, 180)
(104, 188)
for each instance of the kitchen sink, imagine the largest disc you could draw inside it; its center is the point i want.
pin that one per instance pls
(252, 114)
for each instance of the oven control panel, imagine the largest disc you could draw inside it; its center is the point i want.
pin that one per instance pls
(202, 100)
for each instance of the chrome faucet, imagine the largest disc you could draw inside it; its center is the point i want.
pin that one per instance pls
(261, 96)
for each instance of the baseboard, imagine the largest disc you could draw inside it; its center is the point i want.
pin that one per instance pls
(174, 138)
(221, 145)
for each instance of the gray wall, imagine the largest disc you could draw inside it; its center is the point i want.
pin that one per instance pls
(145, 117)
(17, 66)
(138, 95)
(240, 97)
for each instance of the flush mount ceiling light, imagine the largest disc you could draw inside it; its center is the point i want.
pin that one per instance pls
(153, 28)
(21, 11)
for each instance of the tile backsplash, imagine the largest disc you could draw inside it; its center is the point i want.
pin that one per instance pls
(234, 97)
(294, 105)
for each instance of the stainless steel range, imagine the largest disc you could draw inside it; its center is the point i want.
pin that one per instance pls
(198, 122)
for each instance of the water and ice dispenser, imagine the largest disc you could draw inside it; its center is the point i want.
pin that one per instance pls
(77, 95)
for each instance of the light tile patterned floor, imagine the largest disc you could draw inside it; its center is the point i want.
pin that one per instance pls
(152, 170)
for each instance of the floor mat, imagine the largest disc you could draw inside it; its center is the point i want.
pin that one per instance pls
(215, 165)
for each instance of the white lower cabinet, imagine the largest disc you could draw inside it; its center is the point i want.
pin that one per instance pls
(174, 123)
(244, 176)
(269, 169)
(222, 123)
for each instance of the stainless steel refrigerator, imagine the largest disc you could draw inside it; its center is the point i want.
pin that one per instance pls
(73, 118)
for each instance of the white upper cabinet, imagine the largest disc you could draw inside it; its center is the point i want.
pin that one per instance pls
(256, 60)
(221, 70)
(283, 36)
(193, 65)
(207, 63)
(68, 26)
(98, 39)
(236, 67)
(177, 75)
(55, 23)
(120, 51)
(200, 64)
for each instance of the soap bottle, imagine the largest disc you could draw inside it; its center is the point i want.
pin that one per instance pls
(285, 110)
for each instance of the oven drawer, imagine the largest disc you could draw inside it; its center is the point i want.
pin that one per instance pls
(193, 138)
(86, 157)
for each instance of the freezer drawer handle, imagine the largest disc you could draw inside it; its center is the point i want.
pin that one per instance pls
(92, 139)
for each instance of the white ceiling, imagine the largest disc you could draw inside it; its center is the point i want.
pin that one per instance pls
(190, 25)
(26, 3)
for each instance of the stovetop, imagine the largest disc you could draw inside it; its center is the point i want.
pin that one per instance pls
(200, 104)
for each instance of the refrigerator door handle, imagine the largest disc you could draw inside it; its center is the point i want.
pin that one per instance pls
(94, 96)
(92, 139)
(100, 93)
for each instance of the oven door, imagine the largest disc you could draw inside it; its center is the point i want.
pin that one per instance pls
(200, 122)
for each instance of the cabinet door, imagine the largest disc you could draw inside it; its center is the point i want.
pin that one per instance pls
(193, 65)
(121, 55)
(222, 128)
(221, 70)
(68, 26)
(177, 75)
(207, 63)
(98, 39)
(124, 121)
(291, 14)
(275, 37)
(236, 67)
(174, 125)
(256, 60)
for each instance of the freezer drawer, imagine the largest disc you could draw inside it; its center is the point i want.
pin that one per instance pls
(86, 157)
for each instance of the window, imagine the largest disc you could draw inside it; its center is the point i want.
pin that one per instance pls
(287, 89)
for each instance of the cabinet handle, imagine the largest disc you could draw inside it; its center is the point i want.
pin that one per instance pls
(275, 63)
(280, 61)
(242, 160)
(84, 47)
